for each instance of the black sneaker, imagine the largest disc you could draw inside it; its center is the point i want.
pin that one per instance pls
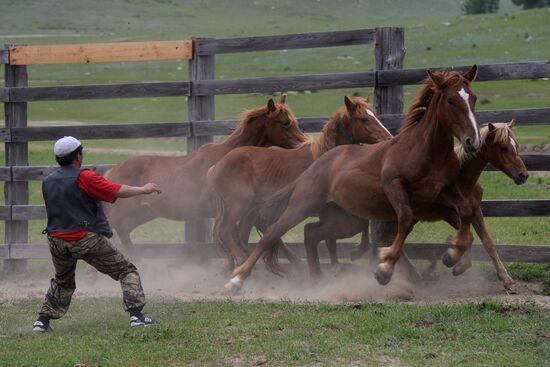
(141, 321)
(41, 326)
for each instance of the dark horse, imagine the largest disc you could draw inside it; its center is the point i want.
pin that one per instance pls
(498, 147)
(183, 178)
(247, 176)
(385, 181)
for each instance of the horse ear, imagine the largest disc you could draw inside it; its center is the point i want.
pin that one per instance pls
(282, 100)
(435, 78)
(491, 126)
(349, 104)
(368, 99)
(271, 106)
(512, 123)
(471, 74)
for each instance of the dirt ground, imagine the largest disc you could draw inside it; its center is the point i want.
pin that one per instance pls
(347, 283)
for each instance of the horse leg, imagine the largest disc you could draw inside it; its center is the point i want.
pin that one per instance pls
(295, 213)
(488, 244)
(226, 232)
(363, 247)
(464, 238)
(312, 237)
(397, 196)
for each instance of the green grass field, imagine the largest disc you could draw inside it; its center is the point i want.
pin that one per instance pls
(281, 334)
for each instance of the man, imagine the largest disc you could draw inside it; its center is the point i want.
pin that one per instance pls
(78, 229)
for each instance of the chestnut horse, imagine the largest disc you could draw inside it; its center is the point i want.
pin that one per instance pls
(246, 176)
(385, 181)
(498, 147)
(183, 178)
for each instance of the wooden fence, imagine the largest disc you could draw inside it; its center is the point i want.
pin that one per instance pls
(387, 78)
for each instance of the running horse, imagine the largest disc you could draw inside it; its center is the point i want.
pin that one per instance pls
(387, 180)
(499, 148)
(183, 178)
(247, 176)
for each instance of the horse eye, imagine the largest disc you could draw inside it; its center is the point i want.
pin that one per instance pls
(504, 149)
(450, 101)
(286, 125)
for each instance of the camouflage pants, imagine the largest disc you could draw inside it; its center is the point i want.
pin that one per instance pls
(97, 251)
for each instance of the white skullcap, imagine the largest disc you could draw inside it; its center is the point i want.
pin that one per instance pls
(65, 146)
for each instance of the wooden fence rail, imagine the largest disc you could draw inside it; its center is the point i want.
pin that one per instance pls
(387, 78)
(493, 72)
(491, 208)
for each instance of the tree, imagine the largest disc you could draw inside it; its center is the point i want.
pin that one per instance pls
(531, 4)
(482, 6)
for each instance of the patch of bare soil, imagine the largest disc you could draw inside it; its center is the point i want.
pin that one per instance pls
(347, 283)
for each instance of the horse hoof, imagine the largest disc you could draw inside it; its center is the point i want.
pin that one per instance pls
(447, 260)
(381, 275)
(458, 270)
(234, 285)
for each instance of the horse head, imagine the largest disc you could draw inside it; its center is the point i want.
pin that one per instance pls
(275, 124)
(502, 151)
(455, 103)
(360, 124)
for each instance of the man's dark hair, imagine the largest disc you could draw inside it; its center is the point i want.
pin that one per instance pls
(69, 158)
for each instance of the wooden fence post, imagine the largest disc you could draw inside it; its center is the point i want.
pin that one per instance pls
(199, 108)
(17, 154)
(389, 52)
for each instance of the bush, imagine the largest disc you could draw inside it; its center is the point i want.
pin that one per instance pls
(481, 6)
(531, 4)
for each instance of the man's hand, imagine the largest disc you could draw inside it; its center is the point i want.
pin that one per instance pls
(150, 187)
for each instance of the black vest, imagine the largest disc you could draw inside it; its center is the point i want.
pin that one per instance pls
(69, 209)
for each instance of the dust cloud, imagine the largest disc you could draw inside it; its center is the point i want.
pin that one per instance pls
(345, 283)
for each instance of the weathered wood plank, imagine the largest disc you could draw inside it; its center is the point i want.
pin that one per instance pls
(389, 53)
(17, 154)
(100, 52)
(102, 91)
(533, 162)
(38, 173)
(4, 56)
(5, 212)
(491, 208)
(519, 253)
(515, 71)
(516, 208)
(123, 131)
(5, 174)
(226, 127)
(28, 212)
(4, 251)
(4, 94)
(528, 116)
(280, 84)
(284, 42)
(199, 108)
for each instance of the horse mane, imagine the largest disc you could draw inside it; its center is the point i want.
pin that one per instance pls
(426, 95)
(248, 115)
(502, 132)
(327, 137)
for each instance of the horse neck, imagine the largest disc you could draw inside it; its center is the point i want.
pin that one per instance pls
(437, 139)
(245, 136)
(472, 167)
(327, 139)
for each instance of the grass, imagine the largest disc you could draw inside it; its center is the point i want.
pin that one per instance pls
(276, 334)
